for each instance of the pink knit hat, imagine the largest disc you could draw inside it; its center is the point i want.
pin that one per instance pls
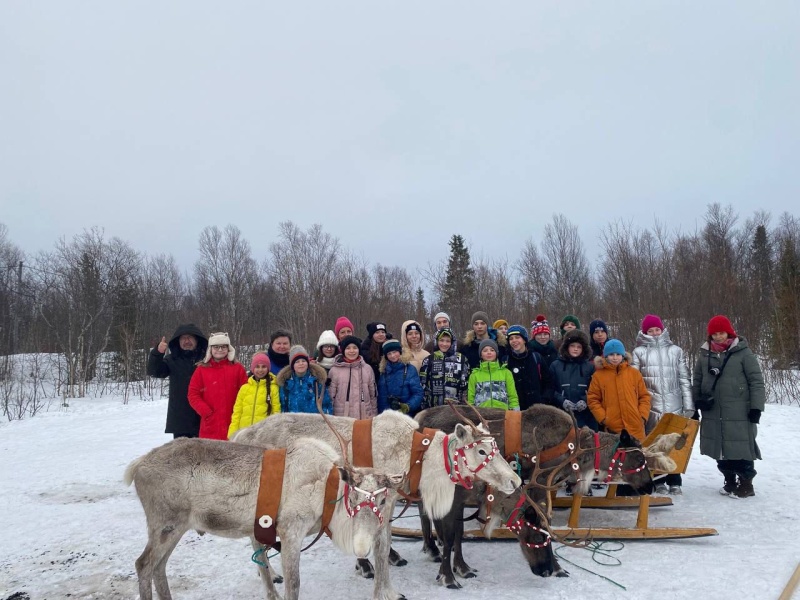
(259, 359)
(651, 321)
(343, 322)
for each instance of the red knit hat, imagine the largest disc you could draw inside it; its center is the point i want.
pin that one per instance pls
(343, 322)
(720, 323)
(651, 321)
(539, 325)
(259, 359)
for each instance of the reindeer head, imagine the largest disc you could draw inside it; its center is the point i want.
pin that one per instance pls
(629, 464)
(473, 453)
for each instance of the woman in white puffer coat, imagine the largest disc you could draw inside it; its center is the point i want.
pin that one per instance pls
(666, 375)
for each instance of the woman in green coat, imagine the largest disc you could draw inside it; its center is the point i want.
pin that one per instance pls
(728, 388)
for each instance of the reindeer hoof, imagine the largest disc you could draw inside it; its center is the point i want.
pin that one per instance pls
(398, 562)
(277, 579)
(469, 575)
(562, 573)
(454, 586)
(365, 571)
(451, 584)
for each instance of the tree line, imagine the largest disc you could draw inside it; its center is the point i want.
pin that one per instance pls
(92, 295)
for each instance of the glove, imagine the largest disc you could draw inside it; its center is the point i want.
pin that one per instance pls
(580, 405)
(568, 405)
(401, 406)
(754, 415)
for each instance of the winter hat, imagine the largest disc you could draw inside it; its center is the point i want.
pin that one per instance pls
(219, 339)
(480, 316)
(390, 345)
(613, 346)
(444, 331)
(715, 325)
(373, 328)
(488, 342)
(413, 326)
(342, 322)
(595, 325)
(651, 321)
(296, 353)
(571, 319)
(539, 325)
(350, 339)
(327, 338)
(517, 330)
(440, 314)
(259, 359)
(499, 323)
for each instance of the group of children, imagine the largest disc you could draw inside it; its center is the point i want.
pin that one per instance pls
(591, 376)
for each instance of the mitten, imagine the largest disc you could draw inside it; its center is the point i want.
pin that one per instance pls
(401, 406)
(569, 405)
(580, 405)
(754, 415)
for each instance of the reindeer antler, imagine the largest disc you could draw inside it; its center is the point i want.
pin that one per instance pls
(466, 419)
(344, 443)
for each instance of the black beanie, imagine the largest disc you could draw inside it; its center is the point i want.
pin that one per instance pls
(350, 339)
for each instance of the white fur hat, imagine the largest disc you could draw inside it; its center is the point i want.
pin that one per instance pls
(327, 338)
(220, 339)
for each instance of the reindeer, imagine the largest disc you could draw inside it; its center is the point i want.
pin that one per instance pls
(542, 428)
(212, 486)
(392, 435)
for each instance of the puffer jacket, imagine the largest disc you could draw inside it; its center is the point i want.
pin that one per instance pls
(618, 397)
(491, 385)
(401, 380)
(531, 378)
(352, 389)
(418, 355)
(212, 394)
(548, 351)
(444, 376)
(666, 375)
(257, 399)
(299, 394)
(470, 347)
(725, 431)
(571, 378)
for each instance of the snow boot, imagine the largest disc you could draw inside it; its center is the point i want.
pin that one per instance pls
(744, 489)
(661, 489)
(730, 484)
(675, 490)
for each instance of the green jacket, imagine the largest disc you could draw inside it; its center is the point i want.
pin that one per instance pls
(491, 385)
(725, 431)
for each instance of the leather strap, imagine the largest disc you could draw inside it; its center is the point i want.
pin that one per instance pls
(362, 443)
(562, 448)
(513, 433)
(419, 446)
(270, 489)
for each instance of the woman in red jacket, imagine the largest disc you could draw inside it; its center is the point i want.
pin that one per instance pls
(214, 385)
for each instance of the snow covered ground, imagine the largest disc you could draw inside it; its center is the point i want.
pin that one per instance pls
(69, 528)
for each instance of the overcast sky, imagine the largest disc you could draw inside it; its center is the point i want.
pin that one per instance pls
(393, 124)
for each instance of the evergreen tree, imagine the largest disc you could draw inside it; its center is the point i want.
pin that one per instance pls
(419, 308)
(459, 287)
(787, 309)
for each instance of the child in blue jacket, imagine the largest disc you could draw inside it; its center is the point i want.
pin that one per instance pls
(301, 382)
(399, 387)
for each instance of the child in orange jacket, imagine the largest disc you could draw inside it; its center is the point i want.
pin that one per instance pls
(617, 395)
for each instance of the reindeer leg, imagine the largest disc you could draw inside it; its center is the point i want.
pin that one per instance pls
(395, 559)
(151, 566)
(446, 526)
(429, 546)
(461, 568)
(290, 563)
(266, 572)
(383, 589)
(364, 568)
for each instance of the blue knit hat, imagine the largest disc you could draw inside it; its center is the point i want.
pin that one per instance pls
(613, 347)
(517, 330)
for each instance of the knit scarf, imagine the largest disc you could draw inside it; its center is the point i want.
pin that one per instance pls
(282, 360)
(723, 347)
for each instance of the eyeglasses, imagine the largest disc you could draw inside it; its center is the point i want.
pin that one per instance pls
(220, 347)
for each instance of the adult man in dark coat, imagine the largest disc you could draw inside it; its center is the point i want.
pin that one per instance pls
(187, 347)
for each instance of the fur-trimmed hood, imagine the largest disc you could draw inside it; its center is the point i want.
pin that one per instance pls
(497, 336)
(403, 339)
(405, 357)
(319, 373)
(576, 335)
(601, 363)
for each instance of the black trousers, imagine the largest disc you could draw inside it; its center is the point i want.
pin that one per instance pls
(745, 469)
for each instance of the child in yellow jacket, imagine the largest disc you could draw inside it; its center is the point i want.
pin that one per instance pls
(617, 395)
(258, 398)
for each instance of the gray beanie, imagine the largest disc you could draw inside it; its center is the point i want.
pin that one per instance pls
(485, 343)
(481, 316)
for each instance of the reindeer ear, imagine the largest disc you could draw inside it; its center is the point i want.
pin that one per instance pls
(395, 481)
(460, 432)
(344, 475)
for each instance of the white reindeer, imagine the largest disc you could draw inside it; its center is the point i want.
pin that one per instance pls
(212, 486)
(392, 434)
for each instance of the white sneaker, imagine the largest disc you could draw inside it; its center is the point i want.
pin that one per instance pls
(662, 489)
(675, 490)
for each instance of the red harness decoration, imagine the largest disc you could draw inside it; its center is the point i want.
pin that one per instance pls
(515, 525)
(352, 511)
(459, 454)
(616, 461)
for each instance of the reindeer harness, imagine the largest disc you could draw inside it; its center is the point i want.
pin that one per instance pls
(512, 429)
(452, 463)
(616, 461)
